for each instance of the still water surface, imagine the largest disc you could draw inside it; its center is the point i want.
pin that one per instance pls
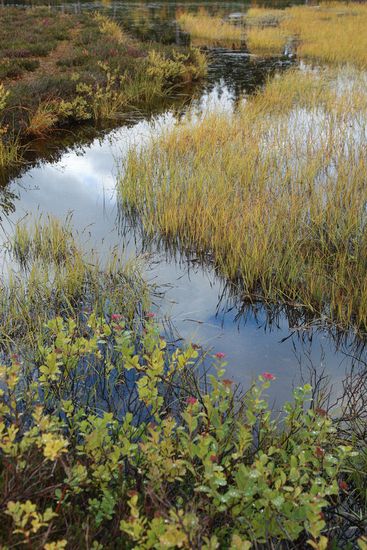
(82, 181)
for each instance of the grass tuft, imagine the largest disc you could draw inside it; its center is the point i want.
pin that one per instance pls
(48, 275)
(212, 28)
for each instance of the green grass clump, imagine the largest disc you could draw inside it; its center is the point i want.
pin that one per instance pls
(50, 275)
(275, 194)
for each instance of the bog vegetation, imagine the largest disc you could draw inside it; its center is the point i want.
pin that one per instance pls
(332, 32)
(48, 275)
(111, 436)
(63, 69)
(107, 441)
(208, 27)
(275, 194)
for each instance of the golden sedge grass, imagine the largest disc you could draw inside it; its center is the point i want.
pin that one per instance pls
(276, 193)
(212, 28)
(263, 34)
(332, 33)
(110, 28)
(266, 40)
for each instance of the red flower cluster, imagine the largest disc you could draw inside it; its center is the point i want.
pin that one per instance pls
(116, 317)
(268, 376)
(191, 400)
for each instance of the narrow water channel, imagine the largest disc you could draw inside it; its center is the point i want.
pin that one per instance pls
(199, 305)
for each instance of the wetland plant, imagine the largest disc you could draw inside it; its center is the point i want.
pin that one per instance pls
(91, 70)
(9, 144)
(275, 194)
(333, 32)
(49, 275)
(110, 438)
(212, 28)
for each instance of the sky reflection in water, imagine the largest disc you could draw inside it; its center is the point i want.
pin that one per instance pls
(83, 182)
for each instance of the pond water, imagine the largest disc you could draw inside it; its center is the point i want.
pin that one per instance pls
(199, 304)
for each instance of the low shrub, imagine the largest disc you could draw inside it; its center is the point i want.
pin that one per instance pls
(110, 439)
(52, 113)
(41, 50)
(180, 67)
(97, 74)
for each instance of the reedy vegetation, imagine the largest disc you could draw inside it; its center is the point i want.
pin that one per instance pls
(275, 193)
(212, 28)
(47, 274)
(108, 436)
(333, 32)
(9, 146)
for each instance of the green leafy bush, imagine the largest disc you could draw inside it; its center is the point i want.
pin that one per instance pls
(110, 438)
(180, 67)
